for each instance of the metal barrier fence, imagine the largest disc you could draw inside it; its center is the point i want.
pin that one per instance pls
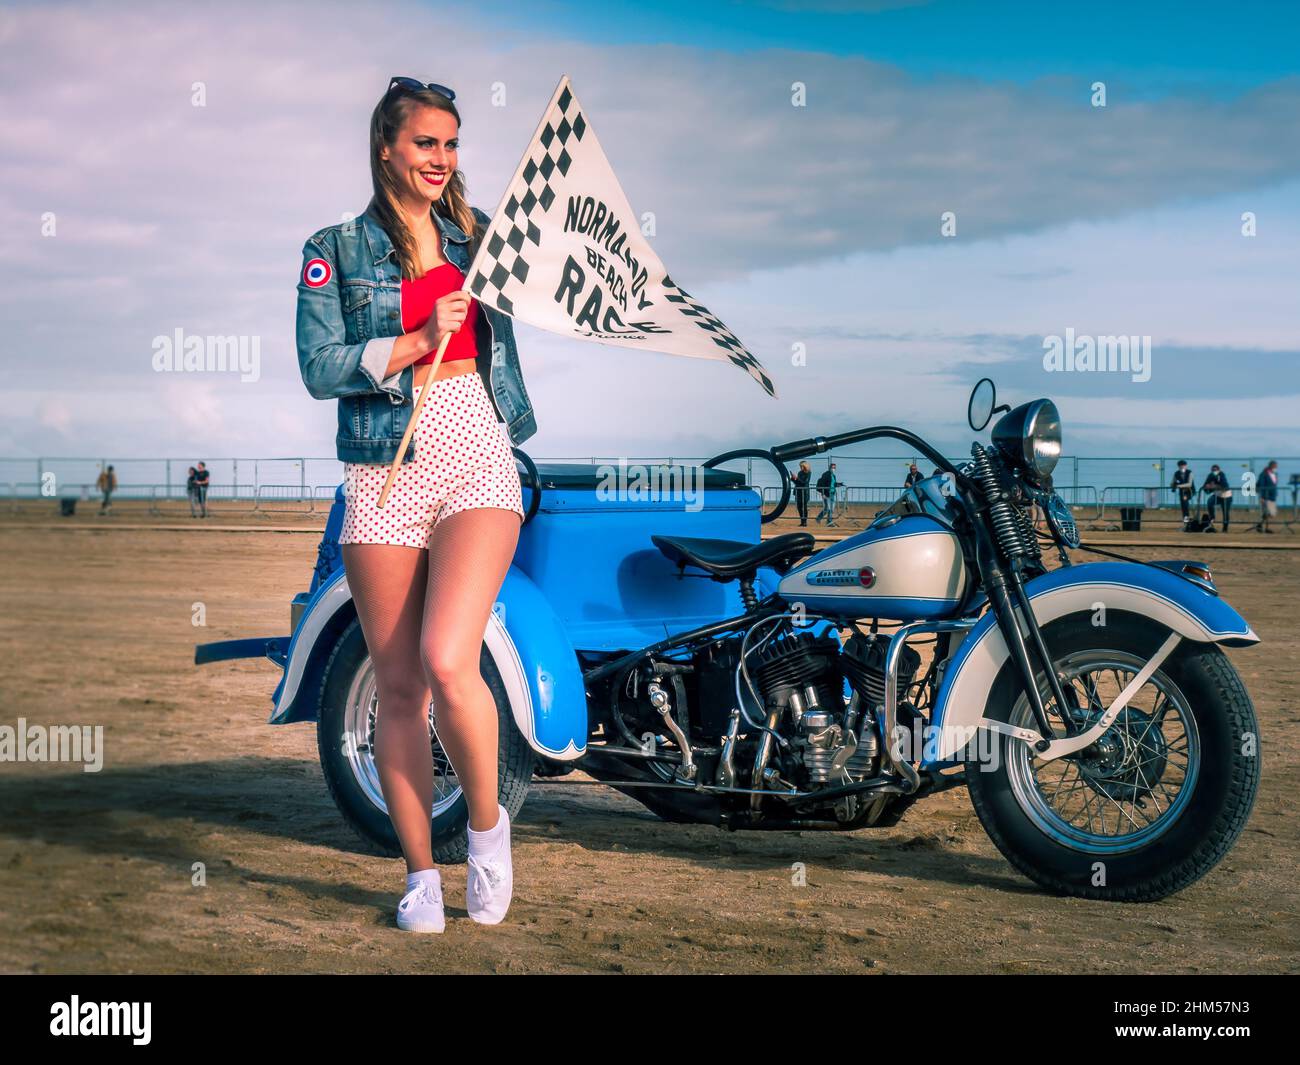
(1086, 497)
(1079, 479)
(1095, 487)
(1093, 509)
(855, 505)
(281, 495)
(173, 500)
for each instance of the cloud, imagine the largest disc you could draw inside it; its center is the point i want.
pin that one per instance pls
(1171, 372)
(53, 413)
(817, 224)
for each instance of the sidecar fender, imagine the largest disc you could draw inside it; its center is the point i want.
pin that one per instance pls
(526, 640)
(1173, 601)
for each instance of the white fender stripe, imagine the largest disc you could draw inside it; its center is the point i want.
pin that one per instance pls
(966, 701)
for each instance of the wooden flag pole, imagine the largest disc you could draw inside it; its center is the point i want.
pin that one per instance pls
(415, 417)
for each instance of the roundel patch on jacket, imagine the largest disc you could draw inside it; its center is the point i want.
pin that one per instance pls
(317, 272)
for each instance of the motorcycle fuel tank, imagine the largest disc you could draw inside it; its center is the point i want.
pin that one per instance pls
(907, 569)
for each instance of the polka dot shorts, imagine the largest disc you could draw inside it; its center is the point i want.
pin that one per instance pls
(462, 461)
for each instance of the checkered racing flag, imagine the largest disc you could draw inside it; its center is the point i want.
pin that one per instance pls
(564, 252)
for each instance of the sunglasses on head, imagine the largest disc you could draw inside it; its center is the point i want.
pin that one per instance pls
(413, 85)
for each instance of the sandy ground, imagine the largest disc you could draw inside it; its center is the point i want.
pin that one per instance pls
(96, 869)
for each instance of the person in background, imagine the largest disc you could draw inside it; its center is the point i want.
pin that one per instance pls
(201, 483)
(913, 475)
(1184, 486)
(1267, 486)
(1217, 489)
(106, 483)
(827, 483)
(801, 480)
(192, 492)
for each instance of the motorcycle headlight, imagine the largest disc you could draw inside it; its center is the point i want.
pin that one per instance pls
(1030, 436)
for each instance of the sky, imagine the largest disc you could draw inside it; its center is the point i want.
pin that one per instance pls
(1170, 214)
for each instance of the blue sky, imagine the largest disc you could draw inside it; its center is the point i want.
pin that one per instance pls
(1147, 46)
(811, 229)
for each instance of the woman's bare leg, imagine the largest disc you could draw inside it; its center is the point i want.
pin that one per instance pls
(469, 554)
(387, 584)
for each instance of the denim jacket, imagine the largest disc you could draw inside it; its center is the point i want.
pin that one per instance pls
(350, 314)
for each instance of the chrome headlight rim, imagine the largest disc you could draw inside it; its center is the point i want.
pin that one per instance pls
(1041, 442)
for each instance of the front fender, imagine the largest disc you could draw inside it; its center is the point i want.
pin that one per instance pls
(1158, 594)
(526, 640)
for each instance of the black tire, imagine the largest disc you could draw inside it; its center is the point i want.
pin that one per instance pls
(370, 821)
(1210, 820)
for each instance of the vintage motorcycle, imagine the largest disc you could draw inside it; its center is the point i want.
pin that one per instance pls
(652, 638)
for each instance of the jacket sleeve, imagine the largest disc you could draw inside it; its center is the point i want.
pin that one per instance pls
(330, 367)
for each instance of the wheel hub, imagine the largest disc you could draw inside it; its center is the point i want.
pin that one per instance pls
(1129, 760)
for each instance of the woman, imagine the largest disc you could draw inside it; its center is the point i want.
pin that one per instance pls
(425, 569)
(192, 491)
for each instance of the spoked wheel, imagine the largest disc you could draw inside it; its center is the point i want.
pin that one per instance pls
(1134, 782)
(345, 737)
(1157, 800)
(359, 745)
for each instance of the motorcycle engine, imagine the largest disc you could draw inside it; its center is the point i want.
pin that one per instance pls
(864, 665)
(801, 679)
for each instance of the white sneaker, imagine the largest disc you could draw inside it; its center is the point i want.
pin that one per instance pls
(421, 908)
(490, 883)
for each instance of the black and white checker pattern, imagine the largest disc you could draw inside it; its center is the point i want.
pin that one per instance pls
(718, 333)
(504, 257)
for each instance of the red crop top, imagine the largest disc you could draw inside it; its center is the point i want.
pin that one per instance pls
(418, 298)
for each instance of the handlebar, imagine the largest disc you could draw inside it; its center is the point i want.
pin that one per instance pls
(759, 453)
(801, 449)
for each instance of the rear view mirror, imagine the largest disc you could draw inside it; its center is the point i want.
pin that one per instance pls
(982, 403)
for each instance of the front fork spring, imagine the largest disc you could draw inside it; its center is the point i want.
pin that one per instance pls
(1015, 538)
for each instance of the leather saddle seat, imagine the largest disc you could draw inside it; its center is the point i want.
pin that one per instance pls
(730, 559)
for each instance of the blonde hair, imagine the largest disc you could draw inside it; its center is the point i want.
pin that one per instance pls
(386, 121)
